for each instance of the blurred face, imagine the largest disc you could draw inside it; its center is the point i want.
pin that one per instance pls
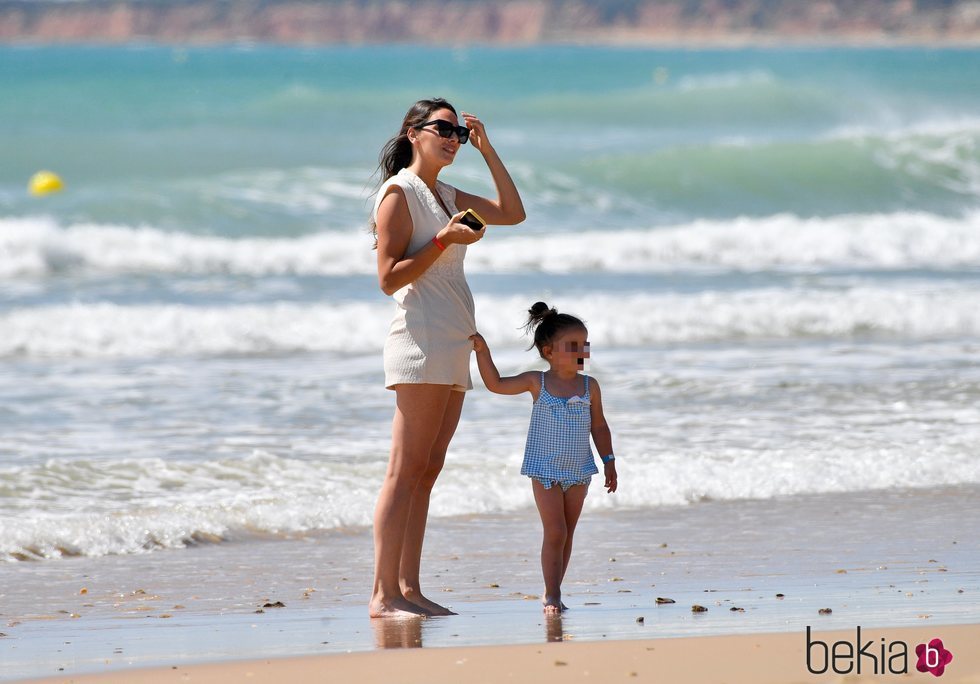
(569, 350)
(430, 145)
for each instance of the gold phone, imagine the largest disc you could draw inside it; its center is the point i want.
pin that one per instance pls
(473, 220)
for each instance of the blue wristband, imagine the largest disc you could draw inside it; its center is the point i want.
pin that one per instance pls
(608, 459)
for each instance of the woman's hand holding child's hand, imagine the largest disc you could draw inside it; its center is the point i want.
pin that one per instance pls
(610, 469)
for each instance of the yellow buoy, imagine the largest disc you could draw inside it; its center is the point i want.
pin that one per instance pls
(44, 183)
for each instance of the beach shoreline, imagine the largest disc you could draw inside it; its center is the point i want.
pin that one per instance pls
(760, 658)
(766, 566)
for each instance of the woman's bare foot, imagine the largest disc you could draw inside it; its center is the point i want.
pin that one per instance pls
(398, 607)
(432, 608)
(552, 606)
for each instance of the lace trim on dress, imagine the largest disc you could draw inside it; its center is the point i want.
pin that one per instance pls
(424, 194)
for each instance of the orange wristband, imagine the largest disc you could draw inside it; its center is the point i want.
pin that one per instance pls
(442, 247)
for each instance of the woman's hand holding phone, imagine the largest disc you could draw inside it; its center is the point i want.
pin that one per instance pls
(460, 233)
(473, 220)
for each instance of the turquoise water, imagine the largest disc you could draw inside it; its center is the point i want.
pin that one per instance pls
(777, 252)
(151, 135)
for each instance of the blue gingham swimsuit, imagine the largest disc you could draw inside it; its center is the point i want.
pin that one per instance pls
(558, 448)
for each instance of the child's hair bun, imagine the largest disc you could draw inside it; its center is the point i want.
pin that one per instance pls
(545, 322)
(538, 312)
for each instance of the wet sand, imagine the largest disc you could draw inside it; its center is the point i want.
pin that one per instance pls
(757, 658)
(880, 560)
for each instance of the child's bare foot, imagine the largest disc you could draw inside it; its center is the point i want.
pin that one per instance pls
(397, 607)
(431, 608)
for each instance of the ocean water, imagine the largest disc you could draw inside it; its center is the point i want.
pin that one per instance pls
(777, 253)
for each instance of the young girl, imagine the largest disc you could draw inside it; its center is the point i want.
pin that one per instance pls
(557, 457)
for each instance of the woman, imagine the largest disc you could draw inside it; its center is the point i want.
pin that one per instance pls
(421, 246)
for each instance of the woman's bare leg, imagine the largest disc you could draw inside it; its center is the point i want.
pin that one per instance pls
(418, 417)
(415, 532)
(551, 508)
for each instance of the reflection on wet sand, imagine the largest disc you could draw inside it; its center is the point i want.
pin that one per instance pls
(553, 629)
(398, 632)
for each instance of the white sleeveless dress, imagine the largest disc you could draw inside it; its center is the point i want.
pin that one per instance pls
(428, 341)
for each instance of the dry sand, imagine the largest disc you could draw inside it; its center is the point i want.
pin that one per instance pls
(756, 659)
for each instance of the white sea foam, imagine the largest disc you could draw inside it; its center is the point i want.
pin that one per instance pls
(940, 127)
(109, 330)
(781, 242)
(730, 80)
(915, 310)
(38, 247)
(97, 508)
(304, 190)
(939, 151)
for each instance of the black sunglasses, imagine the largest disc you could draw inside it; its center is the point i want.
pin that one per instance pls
(446, 130)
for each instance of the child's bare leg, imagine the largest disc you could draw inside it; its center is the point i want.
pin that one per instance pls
(551, 508)
(415, 532)
(418, 412)
(574, 501)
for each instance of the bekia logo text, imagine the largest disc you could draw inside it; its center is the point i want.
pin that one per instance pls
(885, 657)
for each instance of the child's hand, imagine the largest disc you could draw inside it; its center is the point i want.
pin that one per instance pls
(479, 344)
(610, 469)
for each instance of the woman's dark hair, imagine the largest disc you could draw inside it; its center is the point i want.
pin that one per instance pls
(547, 324)
(397, 152)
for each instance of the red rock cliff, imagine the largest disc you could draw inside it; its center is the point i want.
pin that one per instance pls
(504, 21)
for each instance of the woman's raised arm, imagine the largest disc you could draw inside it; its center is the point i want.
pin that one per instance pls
(507, 209)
